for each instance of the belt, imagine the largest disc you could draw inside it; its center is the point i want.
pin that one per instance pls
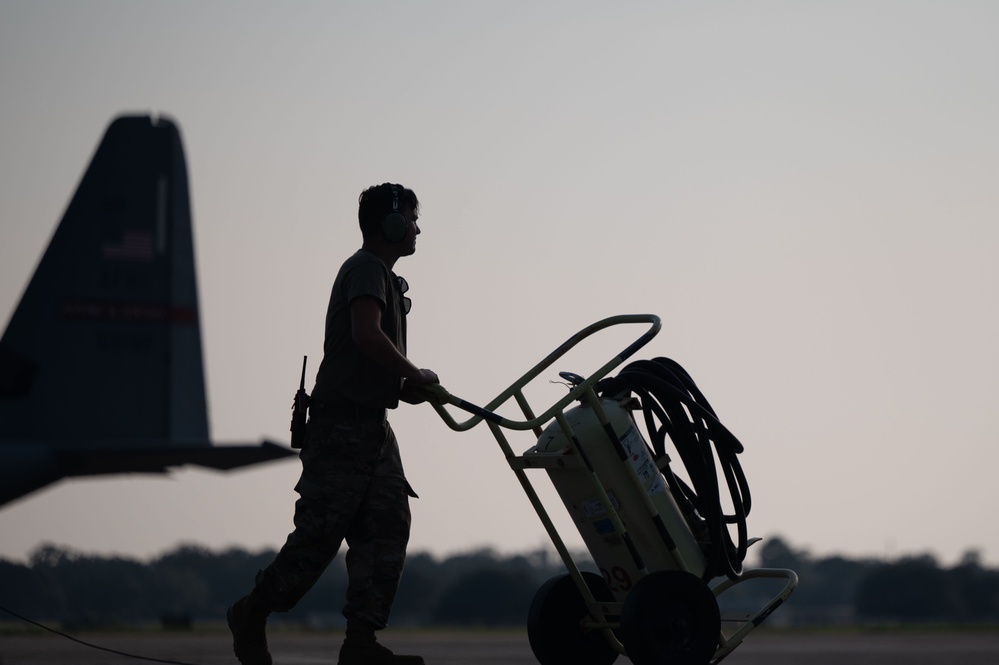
(343, 411)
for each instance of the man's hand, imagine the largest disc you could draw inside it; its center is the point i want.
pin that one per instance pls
(412, 392)
(423, 377)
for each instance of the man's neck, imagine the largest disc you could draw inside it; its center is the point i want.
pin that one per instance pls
(384, 253)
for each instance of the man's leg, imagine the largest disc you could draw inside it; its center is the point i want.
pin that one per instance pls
(377, 543)
(377, 554)
(331, 488)
(308, 551)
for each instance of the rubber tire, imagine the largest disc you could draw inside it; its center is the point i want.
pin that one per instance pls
(553, 623)
(670, 617)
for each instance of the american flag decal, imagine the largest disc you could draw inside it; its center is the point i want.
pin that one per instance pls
(133, 246)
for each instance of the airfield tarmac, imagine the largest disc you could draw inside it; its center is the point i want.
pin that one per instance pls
(506, 648)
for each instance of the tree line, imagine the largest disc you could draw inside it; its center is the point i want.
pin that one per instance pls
(482, 588)
(909, 589)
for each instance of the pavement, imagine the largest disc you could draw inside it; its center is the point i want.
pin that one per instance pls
(908, 647)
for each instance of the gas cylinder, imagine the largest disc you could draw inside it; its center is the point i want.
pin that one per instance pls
(637, 492)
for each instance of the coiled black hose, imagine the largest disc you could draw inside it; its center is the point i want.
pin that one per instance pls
(674, 408)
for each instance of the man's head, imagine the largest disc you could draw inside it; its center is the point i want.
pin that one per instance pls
(388, 213)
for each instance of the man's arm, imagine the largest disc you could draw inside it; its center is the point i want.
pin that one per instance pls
(366, 331)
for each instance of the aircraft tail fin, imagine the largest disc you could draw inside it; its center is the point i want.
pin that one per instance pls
(105, 344)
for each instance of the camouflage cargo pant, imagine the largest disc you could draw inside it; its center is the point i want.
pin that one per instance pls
(352, 489)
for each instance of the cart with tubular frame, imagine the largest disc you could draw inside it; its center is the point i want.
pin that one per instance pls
(653, 602)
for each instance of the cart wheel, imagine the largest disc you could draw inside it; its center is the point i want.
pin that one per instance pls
(670, 617)
(553, 623)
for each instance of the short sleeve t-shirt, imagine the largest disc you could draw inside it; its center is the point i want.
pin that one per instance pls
(346, 375)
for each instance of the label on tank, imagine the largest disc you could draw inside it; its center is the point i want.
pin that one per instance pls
(644, 465)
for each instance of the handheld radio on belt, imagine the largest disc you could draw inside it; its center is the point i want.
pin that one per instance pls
(299, 411)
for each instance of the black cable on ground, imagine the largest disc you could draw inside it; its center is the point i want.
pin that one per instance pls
(674, 408)
(88, 644)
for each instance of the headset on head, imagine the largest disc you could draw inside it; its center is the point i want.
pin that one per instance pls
(395, 226)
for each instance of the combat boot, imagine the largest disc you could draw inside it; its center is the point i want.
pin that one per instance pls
(361, 648)
(247, 619)
(374, 654)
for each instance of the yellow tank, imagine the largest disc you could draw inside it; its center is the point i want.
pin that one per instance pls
(636, 489)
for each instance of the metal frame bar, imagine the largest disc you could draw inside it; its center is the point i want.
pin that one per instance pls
(728, 644)
(440, 397)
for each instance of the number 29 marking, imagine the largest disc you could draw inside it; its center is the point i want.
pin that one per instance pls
(617, 579)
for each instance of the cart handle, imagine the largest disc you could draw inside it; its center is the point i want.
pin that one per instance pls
(439, 397)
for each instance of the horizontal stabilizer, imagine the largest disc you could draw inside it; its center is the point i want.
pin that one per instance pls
(27, 466)
(99, 461)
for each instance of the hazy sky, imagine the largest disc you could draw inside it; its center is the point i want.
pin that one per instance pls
(805, 192)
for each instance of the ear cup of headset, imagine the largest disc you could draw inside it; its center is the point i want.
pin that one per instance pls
(395, 226)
